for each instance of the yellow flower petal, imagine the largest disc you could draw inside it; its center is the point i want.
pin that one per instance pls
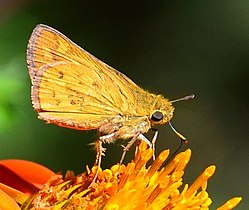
(7, 203)
(134, 186)
(230, 204)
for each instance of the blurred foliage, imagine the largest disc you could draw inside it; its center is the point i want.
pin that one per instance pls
(170, 47)
(11, 87)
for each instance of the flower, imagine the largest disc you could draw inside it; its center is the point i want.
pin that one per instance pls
(131, 186)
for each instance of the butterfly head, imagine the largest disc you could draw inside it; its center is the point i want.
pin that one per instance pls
(162, 111)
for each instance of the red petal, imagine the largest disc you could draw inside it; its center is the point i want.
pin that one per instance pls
(10, 178)
(32, 174)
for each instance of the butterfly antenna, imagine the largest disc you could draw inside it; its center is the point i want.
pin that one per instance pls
(183, 98)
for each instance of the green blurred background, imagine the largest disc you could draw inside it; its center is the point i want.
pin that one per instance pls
(170, 47)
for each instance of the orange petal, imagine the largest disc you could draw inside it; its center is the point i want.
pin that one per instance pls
(10, 178)
(31, 172)
(6, 202)
(16, 195)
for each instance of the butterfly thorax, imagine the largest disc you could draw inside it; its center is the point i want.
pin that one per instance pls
(150, 109)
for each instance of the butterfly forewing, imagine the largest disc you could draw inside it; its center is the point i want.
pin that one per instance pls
(72, 88)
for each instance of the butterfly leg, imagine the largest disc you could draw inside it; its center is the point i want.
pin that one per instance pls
(100, 152)
(139, 136)
(107, 138)
(100, 149)
(154, 142)
(127, 147)
(143, 138)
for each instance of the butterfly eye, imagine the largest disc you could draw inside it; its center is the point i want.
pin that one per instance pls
(157, 116)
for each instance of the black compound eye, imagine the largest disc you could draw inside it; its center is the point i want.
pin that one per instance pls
(157, 116)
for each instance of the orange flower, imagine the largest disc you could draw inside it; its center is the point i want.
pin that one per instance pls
(131, 186)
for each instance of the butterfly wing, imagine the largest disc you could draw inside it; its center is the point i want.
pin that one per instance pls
(72, 88)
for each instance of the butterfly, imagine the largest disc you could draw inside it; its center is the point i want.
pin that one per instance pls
(74, 89)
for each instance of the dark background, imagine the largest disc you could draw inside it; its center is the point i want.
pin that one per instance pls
(171, 47)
